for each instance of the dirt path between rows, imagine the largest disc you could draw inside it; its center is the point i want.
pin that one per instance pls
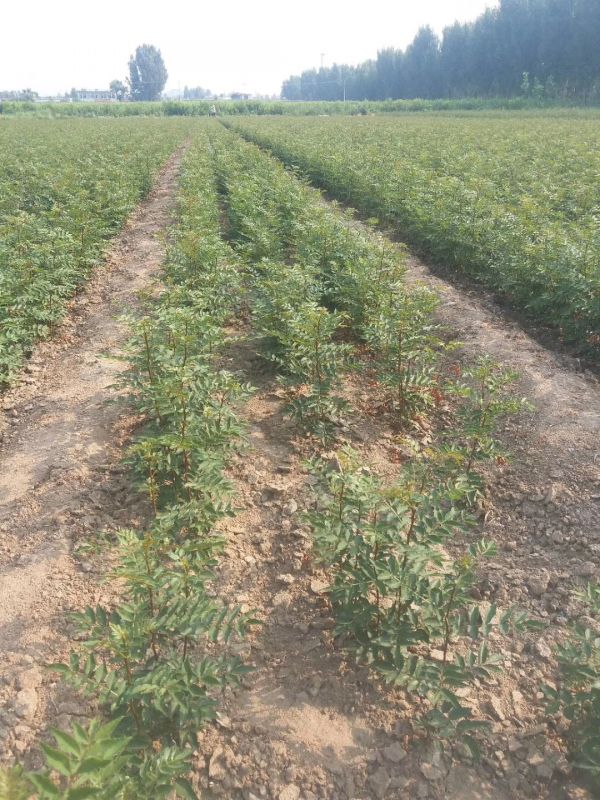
(545, 508)
(60, 474)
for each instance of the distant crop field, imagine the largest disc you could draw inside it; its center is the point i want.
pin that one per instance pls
(512, 200)
(201, 108)
(65, 188)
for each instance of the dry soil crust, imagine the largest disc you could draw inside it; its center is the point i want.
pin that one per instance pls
(60, 478)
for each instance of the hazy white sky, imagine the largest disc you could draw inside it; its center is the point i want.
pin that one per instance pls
(225, 45)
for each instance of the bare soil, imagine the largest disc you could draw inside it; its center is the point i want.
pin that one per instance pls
(61, 480)
(307, 723)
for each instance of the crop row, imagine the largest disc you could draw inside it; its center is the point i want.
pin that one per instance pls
(512, 202)
(65, 189)
(152, 665)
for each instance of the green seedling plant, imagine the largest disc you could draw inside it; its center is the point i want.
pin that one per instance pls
(96, 762)
(357, 269)
(201, 428)
(577, 696)
(405, 347)
(252, 220)
(277, 288)
(485, 395)
(88, 763)
(311, 361)
(145, 664)
(402, 604)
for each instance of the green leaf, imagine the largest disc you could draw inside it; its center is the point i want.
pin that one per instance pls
(184, 790)
(474, 622)
(57, 760)
(91, 765)
(489, 617)
(66, 741)
(43, 784)
(83, 793)
(13, 784)
(63, 669)
(112, 748)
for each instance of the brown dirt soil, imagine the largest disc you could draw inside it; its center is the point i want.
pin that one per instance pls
(60, 476)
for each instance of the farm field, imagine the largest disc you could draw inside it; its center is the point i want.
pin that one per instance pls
(327, 524)
(509, 200)
(65, 189)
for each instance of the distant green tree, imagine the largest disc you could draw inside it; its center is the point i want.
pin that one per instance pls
(119, 88)
(292, 88)
(147, 73)
(421, 65)
(28, 95)
(556, 42)
(389, 73)
(196, 93)
(455, 70)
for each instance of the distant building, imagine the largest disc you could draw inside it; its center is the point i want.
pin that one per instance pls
(58, 98)
(94, 96)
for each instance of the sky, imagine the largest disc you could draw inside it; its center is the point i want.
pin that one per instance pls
(223, 45)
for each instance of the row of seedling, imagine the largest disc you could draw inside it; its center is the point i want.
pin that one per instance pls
(64, 191)
(154, 664)
(489, 198)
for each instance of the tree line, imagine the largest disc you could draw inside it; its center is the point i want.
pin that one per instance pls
(541, 48)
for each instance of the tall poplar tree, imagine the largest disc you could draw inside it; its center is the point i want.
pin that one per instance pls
(147, 73)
